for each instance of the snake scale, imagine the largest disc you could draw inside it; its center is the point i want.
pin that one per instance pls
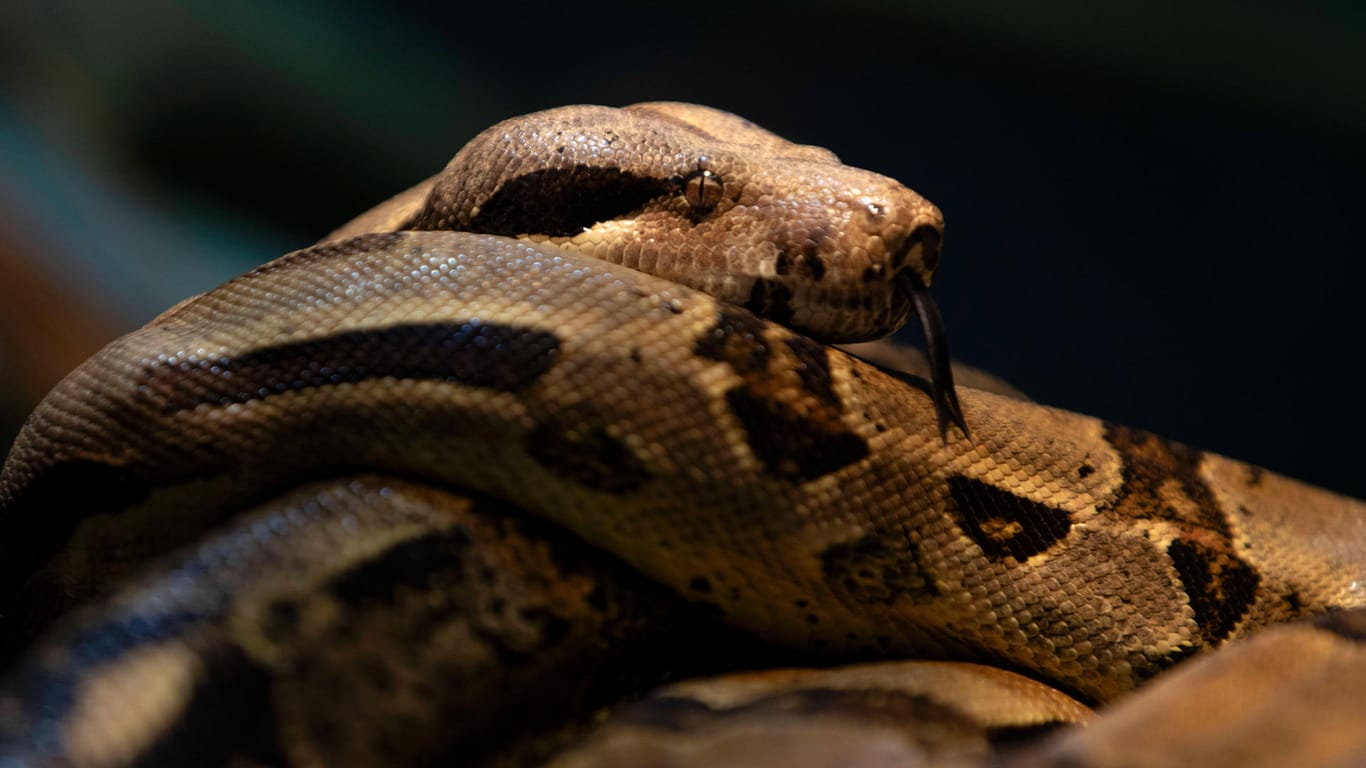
(444, 487)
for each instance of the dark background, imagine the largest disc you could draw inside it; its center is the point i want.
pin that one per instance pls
(1154, 208)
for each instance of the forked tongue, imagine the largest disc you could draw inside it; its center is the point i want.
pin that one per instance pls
(937, 349)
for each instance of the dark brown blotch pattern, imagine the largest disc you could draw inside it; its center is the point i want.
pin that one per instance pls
(559, 202)
(421, 563)
(737, 339)
(771, 299)
(1162, 481)
(790, 444)
(870, 570)
(1221, 588)
(230, 717)
(813, 369)
(486, 355)
(1003, 524)
(42, 513)
(578, 448)
(786, 403)
(1149, 464)
(804, 259)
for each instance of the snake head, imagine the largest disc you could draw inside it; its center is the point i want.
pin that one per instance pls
(709, 200)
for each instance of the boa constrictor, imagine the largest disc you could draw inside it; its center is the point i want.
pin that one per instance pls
(389, 500)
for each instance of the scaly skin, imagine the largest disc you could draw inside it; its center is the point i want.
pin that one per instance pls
(806, 497)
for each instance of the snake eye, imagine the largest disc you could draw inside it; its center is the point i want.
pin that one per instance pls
(702, 188)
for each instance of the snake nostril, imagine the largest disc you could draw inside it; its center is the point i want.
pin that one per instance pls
(927, 237)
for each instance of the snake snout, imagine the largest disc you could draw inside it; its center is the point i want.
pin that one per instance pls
(919, 252)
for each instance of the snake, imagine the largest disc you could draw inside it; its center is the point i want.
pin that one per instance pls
(555, 458)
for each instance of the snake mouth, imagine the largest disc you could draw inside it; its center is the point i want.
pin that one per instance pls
(942, 391)
(920, 251)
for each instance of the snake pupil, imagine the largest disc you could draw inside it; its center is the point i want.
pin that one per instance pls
(702, 189)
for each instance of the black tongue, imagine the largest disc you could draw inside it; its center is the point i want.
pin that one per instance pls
(937, 349)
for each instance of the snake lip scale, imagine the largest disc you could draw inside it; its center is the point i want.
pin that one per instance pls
(571, 420)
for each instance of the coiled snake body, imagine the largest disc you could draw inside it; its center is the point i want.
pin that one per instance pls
(415, 419)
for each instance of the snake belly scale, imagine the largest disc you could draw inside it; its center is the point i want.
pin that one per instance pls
(686, 422)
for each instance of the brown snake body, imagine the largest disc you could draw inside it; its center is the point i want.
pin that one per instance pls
(391, 404)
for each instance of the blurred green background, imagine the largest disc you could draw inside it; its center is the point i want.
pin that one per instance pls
(1155, 208)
